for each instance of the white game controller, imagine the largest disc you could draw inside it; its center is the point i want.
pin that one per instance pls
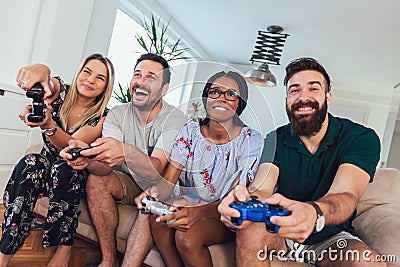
(153, 205)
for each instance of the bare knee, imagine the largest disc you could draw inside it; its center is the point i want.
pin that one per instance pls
(94, 184)
(98, 187)
(186, 243)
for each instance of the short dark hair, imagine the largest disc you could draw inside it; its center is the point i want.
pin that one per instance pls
(159, 59)
(306, 63)
(243, 89)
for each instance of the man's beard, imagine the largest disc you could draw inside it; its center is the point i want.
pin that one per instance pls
(307, 125)
(150, 103)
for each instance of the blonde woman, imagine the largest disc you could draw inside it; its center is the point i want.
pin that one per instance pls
(73, 112)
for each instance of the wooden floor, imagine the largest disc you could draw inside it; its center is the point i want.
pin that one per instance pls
(34, 255)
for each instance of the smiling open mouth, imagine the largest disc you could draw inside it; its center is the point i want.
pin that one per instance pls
(141, 92)
(305, 108)
(220, 108)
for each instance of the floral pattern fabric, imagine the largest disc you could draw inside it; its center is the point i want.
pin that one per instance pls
(38, 175)
(210, 170)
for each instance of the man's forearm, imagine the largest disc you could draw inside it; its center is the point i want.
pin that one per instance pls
(337, 207)
(143, 165)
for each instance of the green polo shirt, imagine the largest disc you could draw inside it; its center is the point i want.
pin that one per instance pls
(305, 177)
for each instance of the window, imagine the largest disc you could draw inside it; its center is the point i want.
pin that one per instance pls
(124, 51)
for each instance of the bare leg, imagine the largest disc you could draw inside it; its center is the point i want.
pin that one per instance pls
(102, 191)
(5, 259)
(164, 238)
(349, 256)
(250, 253)
(193, 243)
(61, 257)
(139, 241)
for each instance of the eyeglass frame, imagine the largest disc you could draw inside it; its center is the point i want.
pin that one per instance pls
(219, 92)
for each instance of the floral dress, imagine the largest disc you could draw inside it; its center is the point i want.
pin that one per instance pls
(39, 175)
(210, 170)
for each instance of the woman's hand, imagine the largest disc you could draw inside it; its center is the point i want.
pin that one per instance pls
(29, 75)
(81, 162)
(184, 217)
(23, 116)
(47, 122)
(152, 191)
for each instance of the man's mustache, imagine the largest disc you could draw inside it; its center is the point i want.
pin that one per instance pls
(300, 104)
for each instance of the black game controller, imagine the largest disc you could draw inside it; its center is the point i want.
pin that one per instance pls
(76, 152)
(38, 106)
(256, 211)
(153, 205)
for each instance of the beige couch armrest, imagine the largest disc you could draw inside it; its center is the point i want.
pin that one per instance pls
(379, 228)
(385, 189)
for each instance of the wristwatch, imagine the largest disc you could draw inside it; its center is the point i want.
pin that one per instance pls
(320, 222)
(50, 132)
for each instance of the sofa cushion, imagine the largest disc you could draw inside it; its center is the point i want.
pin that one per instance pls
(385, 189)
(378, 227)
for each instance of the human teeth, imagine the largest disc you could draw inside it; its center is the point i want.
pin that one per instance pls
(220, 108)
(141, 91)
(305, 108)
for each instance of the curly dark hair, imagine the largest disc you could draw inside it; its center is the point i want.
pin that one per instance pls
(306, 63)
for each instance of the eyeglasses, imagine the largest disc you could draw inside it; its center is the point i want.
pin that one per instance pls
(230, 95)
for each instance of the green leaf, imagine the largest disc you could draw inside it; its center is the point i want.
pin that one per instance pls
(156, 32)
(124, 95)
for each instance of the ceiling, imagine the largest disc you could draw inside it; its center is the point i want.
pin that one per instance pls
(357, 41)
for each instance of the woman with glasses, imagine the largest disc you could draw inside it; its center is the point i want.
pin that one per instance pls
(208, 158)
(72, 112)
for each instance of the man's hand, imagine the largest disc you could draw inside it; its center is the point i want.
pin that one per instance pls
(239, 193)
(300, 224)
(107, 150)
(29, 75)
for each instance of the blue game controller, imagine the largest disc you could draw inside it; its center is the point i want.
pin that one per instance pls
(256, 211)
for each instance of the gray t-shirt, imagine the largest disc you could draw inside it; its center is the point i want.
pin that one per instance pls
(121, 124)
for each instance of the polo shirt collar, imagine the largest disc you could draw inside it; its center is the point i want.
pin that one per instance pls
(293, 140)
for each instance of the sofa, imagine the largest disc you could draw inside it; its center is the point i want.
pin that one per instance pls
(377, 223)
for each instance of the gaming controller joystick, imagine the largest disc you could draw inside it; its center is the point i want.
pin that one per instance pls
(256, 211)
(153, 205)
(76, 152)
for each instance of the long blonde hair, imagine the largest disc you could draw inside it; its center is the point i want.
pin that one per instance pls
(99, 104)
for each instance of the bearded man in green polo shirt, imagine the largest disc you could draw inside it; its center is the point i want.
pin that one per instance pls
(317, 167)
